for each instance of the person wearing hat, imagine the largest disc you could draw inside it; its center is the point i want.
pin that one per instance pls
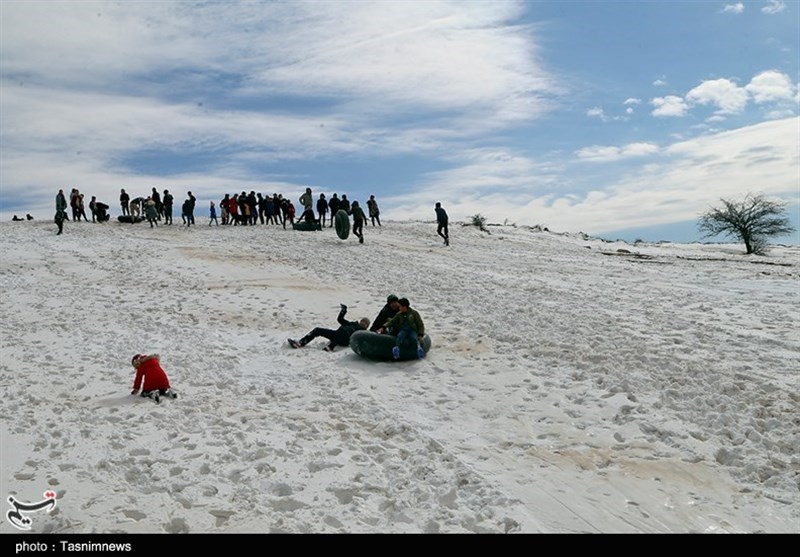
(156, 384)
(387, 312)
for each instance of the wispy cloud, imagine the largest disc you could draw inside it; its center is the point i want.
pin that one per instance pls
(695, 174)
(774, 7)
(597, 112)
(660, 82)
(733, 8)
(94, 87)
(598, 153)
(630, 103)
(684, 179)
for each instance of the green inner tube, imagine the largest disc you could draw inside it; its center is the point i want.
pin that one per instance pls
(305, 225)
(130, 219)
(341, 221)
(379, 347)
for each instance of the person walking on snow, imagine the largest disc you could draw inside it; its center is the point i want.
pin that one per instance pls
(212, 214)
(359, 218)
(441, 220)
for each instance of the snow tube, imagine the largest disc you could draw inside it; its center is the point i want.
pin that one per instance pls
(341, 221)
(129, 219)
(305, 225)
(379, 347)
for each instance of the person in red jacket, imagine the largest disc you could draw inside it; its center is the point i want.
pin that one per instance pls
(156, 383)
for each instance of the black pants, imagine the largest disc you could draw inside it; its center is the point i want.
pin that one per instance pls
(446, 236)
(167, 214)
(358, 230)
(330, 334)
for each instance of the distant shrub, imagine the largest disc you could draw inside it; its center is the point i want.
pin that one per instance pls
(478, 220)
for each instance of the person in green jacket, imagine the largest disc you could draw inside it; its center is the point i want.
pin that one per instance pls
(307, 200)
(359, 218)
(408, 328)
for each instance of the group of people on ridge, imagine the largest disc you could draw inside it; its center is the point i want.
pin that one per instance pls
(396, 318)
(156, 207)
(238, 209)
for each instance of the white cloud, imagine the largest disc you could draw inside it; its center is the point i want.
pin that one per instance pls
(87, 86)
(770, 86)
(597, 112)
(764, 158)
(660, 82)
(688, 176)
(779, 114)
(774, 7)
(733, 8)
(386, 55)
(669, 106)
(723, 93)
(630, 103)
(481, 174)
(599, 153)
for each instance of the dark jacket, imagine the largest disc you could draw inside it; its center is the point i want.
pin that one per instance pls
(358, 214)
(410, 318)
(385, 314)
(346, 328)
(441, 215)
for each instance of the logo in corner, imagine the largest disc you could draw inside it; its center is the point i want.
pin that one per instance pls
(16, 516)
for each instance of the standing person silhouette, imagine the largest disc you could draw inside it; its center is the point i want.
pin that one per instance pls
(441, 221)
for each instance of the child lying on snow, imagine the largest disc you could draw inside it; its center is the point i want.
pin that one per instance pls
(156, 383)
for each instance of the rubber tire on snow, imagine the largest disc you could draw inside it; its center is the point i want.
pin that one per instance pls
(341, 221)
(374, 346)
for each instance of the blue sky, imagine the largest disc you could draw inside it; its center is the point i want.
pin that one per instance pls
(618, 119)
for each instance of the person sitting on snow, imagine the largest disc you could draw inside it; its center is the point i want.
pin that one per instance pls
(408, 327)
(156, 383)
(339, 337)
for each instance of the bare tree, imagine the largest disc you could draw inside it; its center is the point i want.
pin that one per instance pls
(752, 220)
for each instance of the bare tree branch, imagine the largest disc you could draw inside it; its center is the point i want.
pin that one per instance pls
(752, 220)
